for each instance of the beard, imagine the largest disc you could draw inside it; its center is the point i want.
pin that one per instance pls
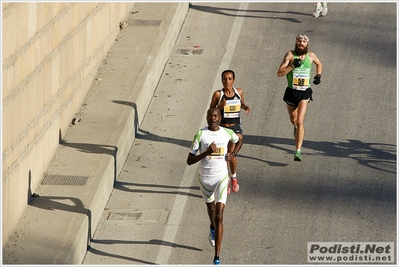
(300, 51)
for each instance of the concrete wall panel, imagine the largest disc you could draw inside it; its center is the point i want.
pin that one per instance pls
(51, 53)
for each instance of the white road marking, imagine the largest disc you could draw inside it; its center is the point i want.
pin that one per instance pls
(190, 172)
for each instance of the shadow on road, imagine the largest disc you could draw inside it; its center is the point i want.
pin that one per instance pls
(50, 203)
(146, 135)
(373, 155)
(377, 156)
(150, 242)
(248, 13)
(92, 148)
(138, 188)
(106, 254)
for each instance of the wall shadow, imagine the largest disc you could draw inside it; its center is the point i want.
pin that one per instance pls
(373, 155)
(146, 135)
(106, 254)
(263, 14)
(96, 149)
(49, 203)
(377, 156)
(138, 188)
(270, 163)
(368, 42)
(92, 148)
(331, 192)
(134, 106)
(156, 242)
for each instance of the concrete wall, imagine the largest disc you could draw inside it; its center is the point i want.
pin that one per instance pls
(51, 52)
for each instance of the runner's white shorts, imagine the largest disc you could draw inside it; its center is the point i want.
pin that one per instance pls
(214, 191)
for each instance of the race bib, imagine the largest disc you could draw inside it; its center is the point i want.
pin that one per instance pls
(218, 154)
(232, 108)
(300, 81)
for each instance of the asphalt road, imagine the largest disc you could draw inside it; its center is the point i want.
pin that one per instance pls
(344, 190)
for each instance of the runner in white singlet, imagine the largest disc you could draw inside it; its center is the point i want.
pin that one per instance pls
(210, 146)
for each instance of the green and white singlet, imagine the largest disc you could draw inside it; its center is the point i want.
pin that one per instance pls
(213, 167)
(299, 78)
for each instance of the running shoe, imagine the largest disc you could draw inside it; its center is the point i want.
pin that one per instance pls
(212, 237)
(295, 131)
(216, 261)
(297, 156)
(235, 185)
(317, 10)
(325, 9)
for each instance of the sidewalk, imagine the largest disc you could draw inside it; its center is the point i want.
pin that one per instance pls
(57, 225)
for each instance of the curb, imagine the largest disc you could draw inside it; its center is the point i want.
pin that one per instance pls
(52, 230)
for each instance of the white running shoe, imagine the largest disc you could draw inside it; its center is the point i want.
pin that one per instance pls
(317, 10)
(325, 9)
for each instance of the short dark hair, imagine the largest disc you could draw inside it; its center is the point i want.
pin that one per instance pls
(232, 72)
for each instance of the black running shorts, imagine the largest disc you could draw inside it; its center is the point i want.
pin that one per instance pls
(292, 97)
(236, 128)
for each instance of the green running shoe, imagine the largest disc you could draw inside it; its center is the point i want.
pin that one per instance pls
(294, 131)
(297, 156)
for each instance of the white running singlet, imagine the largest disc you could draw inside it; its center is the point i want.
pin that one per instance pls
(213, 168)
